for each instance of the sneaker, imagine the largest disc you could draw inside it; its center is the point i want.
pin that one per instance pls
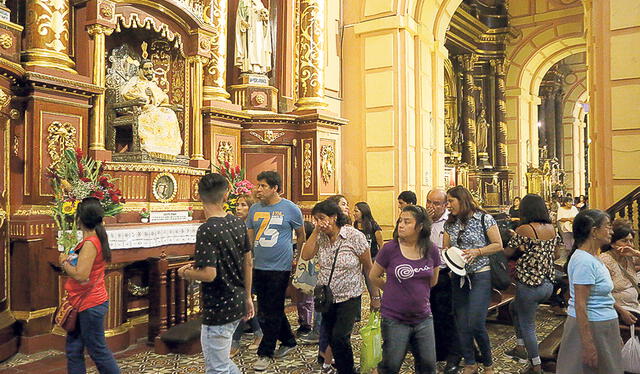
(328, 369)
(283, 350)
(518, 354)
(262, 364)
(310, 338)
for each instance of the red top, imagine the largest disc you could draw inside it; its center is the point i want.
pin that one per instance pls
(92, 293)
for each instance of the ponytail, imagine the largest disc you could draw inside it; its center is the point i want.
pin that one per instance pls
(104, 242)
(90, 214)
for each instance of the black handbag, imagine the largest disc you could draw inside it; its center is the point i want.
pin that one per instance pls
(322, 295)
(500, 278)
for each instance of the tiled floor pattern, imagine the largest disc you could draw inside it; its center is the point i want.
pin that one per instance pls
(141, 359)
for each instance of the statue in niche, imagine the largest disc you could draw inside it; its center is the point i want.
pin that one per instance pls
(158, 126)
(482, 131)
(253, 38)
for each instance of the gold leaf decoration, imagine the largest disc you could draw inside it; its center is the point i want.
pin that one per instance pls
(328, 160)
(306, 164)
(62, 136)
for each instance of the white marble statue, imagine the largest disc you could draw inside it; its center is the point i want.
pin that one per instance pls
(253, 38)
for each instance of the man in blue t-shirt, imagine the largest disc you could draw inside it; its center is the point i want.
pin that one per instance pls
(270, 225)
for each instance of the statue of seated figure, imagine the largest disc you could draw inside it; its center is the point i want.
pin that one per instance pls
(158, 126)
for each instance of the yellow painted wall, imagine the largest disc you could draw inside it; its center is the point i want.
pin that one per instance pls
(614, 90)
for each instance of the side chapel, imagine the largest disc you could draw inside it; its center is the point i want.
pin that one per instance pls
(160, 91)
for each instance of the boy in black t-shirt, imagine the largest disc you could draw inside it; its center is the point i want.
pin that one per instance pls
(223, 263)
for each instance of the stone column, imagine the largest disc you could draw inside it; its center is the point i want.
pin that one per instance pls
(311, 56)
(500, 114)
(195, 75)
(549, 120)
(48, 35)
(216, 70)
(467, 63)
(557, 103)
(98, 32)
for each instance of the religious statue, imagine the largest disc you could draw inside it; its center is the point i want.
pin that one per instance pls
(158, 125)
(253, 37)
(482, 132)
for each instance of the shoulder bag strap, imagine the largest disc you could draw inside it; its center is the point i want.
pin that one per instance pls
(484, 229)
(335, 258)
(534, 230)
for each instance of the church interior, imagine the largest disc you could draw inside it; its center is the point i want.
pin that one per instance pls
(363, 98)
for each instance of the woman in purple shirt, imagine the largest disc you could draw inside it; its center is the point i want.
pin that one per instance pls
(411, 263)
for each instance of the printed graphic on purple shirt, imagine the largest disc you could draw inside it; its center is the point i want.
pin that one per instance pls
(405, 297)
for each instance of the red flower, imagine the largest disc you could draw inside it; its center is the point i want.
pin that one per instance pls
(104, 181)
(233, 174)
(79, 154)
(226, 164)
(237, 169)
(115, 199)
(98, 195)
(223, 172)
(85, 179)
(80, 169)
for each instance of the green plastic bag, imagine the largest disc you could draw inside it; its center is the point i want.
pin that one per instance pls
(371, 350)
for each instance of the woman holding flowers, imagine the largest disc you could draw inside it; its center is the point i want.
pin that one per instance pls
(86, 291)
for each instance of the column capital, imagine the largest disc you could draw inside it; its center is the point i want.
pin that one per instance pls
(98, 29)
(468, 61)
(498, 66)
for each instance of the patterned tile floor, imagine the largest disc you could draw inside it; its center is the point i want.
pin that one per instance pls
(141, 359)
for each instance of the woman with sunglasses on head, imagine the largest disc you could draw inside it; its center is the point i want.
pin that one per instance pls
(620, 257)
(591, 340)
(476, 233)
(411, 264)
(538, 240)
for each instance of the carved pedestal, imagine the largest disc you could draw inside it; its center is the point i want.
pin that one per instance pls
(255, 93)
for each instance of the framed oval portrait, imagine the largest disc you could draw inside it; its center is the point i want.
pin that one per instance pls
(165, 187)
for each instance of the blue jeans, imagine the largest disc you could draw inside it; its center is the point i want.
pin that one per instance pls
(89, 333)
(523, 311)
(470, 306)
(398, 337)
(216, 345)
(253, 324)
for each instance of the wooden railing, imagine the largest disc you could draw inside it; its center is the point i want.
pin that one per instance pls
(628, 208)
(172, 300)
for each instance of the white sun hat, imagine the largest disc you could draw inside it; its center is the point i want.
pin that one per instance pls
(455, 261)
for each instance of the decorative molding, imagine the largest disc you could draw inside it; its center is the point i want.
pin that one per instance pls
(224, 152)
(62, 136)
(327, 163)
(268, 137)
(133, 22)
(140, 167)
(29, 315)
(5, 99)
(6, 41)
(306, 164)
(34, 210)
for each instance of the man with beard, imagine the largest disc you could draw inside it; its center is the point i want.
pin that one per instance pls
(158, 125)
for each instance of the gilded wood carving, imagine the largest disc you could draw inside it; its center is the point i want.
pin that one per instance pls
(268, 136)
(62, 136)
(327, 163)
(225, 152)
(306, 164)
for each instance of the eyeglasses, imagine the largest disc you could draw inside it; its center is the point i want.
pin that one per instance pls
(436, 203)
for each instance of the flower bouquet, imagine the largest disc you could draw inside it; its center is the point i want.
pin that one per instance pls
(239, 185)
(74, 178)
